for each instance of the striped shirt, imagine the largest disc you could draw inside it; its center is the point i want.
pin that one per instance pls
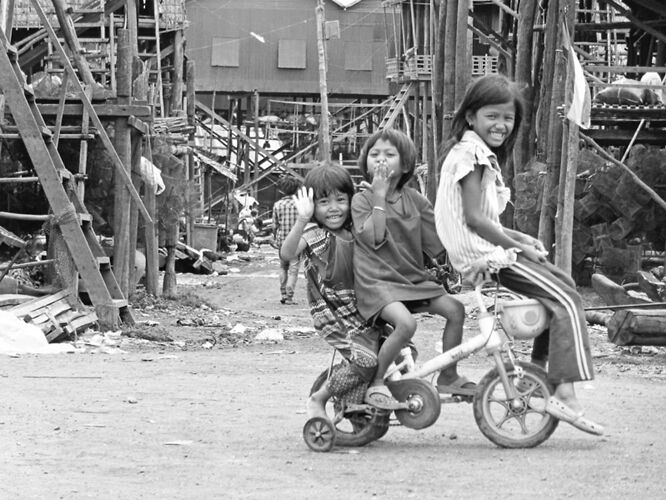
(466, 249)
(284, 217)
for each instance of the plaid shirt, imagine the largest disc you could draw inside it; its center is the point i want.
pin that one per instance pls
(284, 217)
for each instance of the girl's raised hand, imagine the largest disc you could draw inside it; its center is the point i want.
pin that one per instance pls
(304, 201)
(381, 179)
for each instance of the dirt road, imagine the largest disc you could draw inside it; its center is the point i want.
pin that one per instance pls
(214, 414)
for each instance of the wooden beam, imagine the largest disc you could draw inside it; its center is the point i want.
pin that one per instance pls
(506, 8)
(106, 110)
(139, 125)
(637, 22)
(653, 5)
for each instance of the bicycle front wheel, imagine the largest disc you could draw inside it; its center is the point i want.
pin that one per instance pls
(515, 423)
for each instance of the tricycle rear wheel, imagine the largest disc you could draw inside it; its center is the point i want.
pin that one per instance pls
(356, 428)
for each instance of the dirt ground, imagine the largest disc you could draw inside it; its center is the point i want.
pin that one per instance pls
(203, 410)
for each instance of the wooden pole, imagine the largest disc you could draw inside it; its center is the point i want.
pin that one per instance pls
(551, 127)
(191, 120)
(462, 69)
(123, 145)
(72, 41)
(524, 39)
(150, 234)
(178, 61)
(324, 128)
(255, 170)
(448, 80)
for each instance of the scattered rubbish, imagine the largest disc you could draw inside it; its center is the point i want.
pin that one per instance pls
(270, 334)
(238, 329)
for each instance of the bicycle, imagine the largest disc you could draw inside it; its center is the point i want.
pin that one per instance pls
(508, 404)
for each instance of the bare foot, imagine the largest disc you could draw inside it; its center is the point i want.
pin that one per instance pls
(315, 408)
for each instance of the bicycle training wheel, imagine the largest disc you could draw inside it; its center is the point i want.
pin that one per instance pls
(357, 428)
(519, 423)
(319, 434)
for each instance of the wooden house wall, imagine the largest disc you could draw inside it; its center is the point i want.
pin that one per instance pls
(361, 27)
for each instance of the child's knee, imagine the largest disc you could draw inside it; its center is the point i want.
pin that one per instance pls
(405, 328)
(458, 312)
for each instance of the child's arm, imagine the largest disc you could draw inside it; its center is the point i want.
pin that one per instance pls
(526, 239)
(479, 223)
(371, 226)
(293, 244)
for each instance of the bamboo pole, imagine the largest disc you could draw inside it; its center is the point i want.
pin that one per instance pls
(324, 128)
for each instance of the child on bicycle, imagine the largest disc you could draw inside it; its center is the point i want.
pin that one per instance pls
(470, 198)
(322, 235)
(393, 227)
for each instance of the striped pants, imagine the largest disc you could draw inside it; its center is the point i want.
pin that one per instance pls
(565, 344)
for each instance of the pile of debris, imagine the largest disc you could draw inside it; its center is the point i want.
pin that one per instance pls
(636, 318)
(57, 313)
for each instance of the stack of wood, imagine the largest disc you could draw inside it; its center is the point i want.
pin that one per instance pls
(57, 315)
(616, 220)
(176, 128)
(634, 321)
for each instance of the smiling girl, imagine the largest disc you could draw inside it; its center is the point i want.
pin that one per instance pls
(322, 235)
(470, 198)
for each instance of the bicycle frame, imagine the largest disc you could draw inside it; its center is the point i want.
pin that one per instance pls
(490, 340)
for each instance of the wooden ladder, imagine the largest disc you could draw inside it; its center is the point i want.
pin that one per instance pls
(69, 213)
(154, 39)
(396, 106)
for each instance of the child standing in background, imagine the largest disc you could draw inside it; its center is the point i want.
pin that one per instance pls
(470, 198)
(393, 227)
(284, 217)
(322, 235)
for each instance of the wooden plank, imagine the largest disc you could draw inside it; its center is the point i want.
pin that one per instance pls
(13, 299)
(42, 314)
(638, 327)
(80, 323)
(39, 302)
(106, 110)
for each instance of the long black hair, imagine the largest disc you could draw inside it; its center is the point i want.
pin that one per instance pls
(486, 91)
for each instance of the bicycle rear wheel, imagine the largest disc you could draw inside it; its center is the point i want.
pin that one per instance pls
(521, 422)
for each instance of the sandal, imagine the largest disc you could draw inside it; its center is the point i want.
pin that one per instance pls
(380, 397)
(561, 411)
(461, 386)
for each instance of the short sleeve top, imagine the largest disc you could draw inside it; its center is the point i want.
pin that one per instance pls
(465, 248)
